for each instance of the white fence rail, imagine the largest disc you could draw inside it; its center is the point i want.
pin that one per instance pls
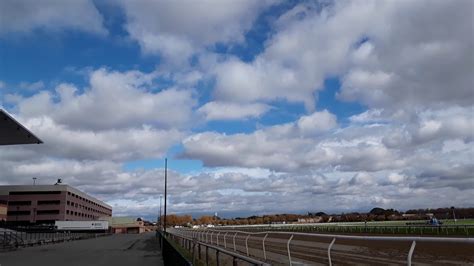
(220, 238)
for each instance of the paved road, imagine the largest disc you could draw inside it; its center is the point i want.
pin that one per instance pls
(114, 250)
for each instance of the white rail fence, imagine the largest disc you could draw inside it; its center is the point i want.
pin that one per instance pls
(222, 237)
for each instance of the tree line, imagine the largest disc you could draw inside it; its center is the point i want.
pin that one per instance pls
(376, 214)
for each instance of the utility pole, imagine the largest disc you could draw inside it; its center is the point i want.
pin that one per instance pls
(166, 184)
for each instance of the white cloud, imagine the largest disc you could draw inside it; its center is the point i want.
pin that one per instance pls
(178, 29)
(25, 16)
(232, 111)
(309, 45)
(305, 143)
(396, 178)
(33, 86)
(398, 64)
(316, 123)
(114, 100)
(113, 144)
(414, 57)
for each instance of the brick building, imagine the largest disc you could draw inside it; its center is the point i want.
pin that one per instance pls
(42, 204)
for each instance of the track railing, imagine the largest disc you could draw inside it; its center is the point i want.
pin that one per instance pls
(413, 229)
(197, 245)
(210, 239)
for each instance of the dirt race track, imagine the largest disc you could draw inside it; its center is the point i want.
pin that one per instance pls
(312, 250)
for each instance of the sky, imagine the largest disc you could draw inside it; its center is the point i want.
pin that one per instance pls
(260, 106)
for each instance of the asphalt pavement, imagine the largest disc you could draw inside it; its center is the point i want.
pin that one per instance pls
(117, 250)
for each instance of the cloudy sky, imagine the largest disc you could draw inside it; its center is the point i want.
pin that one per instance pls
(260, 106)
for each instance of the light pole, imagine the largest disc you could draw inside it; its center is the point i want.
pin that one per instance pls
(34, 181)
(159, 217)
(166, 184)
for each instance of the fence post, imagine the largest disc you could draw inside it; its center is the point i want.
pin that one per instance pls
(263, 244)
(217, 257)
(218, 238)
(225, 243)
(207, 255)
(199, 251)
(410, 253)
(211, 237)
(247, 244)
(288, 247)
(234, 261)
(193, 252)
(234, 241)
(329, 251)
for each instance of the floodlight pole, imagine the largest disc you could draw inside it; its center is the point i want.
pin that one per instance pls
(166, 183)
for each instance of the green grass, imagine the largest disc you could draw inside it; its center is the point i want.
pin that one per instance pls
(459, 222)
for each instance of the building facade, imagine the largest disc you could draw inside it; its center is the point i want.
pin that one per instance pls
(45, 204)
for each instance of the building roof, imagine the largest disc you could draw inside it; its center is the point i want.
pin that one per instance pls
(12, 132)
(5, 190)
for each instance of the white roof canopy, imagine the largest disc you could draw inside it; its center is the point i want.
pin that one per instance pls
(12, 132)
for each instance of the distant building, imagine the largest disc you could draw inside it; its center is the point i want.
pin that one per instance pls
(45, 204)
(125, 225)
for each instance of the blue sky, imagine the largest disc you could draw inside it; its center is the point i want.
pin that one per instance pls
(277, 102)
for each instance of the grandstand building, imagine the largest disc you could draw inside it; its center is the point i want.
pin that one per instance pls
(45, 204)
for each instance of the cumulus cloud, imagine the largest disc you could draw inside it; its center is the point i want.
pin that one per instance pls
(232, 111)
(414, 57)
(113, 100)
(31, 86)
(154, 25)
(306, 143)
(310, 45)
(407, 62)
(396, 63)
(24, 16)
(316, 123)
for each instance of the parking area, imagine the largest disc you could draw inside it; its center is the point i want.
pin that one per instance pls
(121, 249)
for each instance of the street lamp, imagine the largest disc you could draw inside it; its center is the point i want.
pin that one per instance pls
(34, 181)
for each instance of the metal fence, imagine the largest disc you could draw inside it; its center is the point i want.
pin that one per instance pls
(209, 254)
(171, 256)
(10, 239)
(260, 246)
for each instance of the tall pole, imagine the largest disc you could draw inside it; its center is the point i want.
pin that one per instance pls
(159, 217)
(34, 181)
(166, 184)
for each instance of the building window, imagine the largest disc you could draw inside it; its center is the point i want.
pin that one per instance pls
(49, 202)
(10, 213)
(47, 212)
(19, 203)
(34, 192)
